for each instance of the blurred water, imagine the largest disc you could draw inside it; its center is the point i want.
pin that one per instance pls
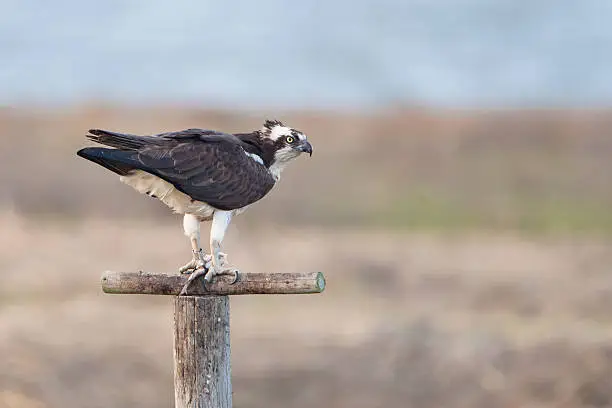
(307, 53)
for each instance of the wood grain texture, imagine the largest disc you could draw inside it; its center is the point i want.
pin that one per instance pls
(248, 284)
(202, 370)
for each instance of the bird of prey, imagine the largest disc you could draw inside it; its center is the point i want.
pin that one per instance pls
(206, 175)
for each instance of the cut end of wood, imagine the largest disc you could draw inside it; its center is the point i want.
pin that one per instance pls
(320, 282)
(248, 284)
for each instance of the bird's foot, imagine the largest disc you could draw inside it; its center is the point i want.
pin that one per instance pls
(227, 272)
(222, 269)
(209, 274)
(200, 260)
(195, 274)
(205, 261)
(222, 259)
(209, 271)
(192, 266)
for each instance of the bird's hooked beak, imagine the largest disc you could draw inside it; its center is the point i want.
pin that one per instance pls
(305, 147)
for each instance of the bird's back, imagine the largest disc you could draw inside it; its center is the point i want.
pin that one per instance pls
(208, 166)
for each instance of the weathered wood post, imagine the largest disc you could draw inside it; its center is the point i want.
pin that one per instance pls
(202, 370)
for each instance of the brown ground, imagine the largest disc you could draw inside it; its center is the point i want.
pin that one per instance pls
(441, 310)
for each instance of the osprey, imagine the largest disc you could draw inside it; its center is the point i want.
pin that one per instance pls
(206, 175)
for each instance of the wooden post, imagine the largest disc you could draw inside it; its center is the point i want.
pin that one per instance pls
(202, 370)
(202, 352)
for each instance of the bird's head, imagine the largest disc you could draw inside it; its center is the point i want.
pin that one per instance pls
(282, 144)
(287, 143)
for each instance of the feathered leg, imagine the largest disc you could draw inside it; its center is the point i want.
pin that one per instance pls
(191, 226)
(220, 222)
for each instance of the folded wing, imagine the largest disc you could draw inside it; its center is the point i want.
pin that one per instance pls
(208, 166)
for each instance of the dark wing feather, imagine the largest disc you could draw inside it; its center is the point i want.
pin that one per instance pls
(122, 141)
(194, 133)
(217, 173)
(128, 141)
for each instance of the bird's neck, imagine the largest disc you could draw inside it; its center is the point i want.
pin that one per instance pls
(276, 168)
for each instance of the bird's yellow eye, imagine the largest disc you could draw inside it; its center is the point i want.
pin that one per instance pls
(290, 139)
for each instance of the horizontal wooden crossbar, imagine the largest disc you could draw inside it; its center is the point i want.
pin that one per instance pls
(142, 283)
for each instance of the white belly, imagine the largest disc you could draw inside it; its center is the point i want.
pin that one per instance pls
(179, 202)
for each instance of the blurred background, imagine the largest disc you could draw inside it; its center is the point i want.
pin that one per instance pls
(458, 199)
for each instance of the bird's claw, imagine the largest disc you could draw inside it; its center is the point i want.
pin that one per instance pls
(206, 268)
(209, 274)
(204, 262)
(197, 262)
(234, 273)
(192, 266)
(227, 272)
(194, 275)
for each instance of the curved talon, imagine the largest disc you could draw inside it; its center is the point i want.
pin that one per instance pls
(234, 273)
(210, 274)
(236, 277)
